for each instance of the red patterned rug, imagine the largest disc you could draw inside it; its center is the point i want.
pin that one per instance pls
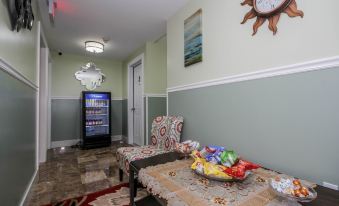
(114, 196)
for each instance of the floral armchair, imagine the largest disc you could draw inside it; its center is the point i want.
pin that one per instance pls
(165, 133)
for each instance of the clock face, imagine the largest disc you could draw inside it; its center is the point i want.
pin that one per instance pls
(269, 6)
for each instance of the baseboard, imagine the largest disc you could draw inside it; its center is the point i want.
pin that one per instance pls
(28, 188)
(117, 137)
(65, 143)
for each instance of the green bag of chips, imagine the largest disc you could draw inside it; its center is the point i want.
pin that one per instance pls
(228, 158)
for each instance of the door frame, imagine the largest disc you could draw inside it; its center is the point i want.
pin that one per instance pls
(130, 98)
(43, 124)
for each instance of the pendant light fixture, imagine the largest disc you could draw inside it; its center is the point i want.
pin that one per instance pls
(94, 47)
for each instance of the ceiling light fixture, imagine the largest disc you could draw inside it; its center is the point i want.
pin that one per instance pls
(94, 47)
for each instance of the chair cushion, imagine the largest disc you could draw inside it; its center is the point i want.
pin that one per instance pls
(175, 131)
(125, 155)
(160, 131)
(166, 131)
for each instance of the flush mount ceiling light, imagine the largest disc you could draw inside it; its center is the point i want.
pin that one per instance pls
(94, 47)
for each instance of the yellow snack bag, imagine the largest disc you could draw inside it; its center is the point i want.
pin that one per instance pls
(195, 154)
(198, 165)
(214, 170)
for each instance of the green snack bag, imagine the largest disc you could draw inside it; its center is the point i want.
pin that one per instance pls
(228, 158)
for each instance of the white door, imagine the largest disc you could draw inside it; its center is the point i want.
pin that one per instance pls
(137, 106)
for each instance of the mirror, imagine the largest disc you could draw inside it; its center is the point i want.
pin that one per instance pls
(90, 76)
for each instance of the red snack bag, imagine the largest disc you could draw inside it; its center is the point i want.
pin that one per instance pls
(239, 170)
(248, 165)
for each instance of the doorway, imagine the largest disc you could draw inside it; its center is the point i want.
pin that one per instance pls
(135, 101)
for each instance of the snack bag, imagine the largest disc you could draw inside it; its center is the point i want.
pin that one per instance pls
(212, 159)
(248, 165)
(209, 150)
(228, 158)
(196, 154)
(215, 171)
(198, 165)
(239, 170)
(206, 151)
(217, 148)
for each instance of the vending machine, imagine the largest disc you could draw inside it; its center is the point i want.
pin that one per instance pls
(96, 119)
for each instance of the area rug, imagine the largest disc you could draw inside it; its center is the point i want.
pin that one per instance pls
(114, 196)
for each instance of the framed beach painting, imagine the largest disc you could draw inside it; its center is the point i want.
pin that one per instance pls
(193, 38)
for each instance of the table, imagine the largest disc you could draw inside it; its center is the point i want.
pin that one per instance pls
(325, 197)
(135, 166)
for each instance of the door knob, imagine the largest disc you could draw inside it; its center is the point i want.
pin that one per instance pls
(133, 109)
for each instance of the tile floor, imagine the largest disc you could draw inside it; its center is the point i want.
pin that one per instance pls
(72, 172)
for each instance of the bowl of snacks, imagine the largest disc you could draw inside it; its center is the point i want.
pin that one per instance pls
(217, 163)
(293, 189)
(187, 147)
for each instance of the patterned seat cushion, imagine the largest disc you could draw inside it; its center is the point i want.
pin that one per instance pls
(125, 155)
(166, 132)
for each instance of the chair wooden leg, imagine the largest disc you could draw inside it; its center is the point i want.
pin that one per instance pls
(135, 186)
(121, 174)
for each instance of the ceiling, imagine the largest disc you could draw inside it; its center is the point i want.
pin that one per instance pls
(127, 23)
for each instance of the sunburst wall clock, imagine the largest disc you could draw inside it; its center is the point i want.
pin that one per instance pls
(270, 10)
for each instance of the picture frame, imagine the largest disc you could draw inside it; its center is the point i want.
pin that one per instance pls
(193, 39)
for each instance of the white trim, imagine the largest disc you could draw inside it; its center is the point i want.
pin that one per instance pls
(43, 104)
(116, 137)
(146, 113)
(68, 143)
(77, 98)
(64, 143)
(50, 68)
(28, 188)
(314, 65)
(130, 96)
(66, 97)
(37, 100)
(117, 99)
(167, 105)
(155, 95)
(9, 69)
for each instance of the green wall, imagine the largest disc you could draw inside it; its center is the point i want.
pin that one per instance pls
(66, 121)
(18, 109)
(230, 49)
(66, 90)
(18, 48)
(156, 107)
(156, 67)
(64, 83)
(287, 123)
(17, 138)
(155, 75)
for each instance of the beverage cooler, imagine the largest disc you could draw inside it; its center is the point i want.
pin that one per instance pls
(96, 119)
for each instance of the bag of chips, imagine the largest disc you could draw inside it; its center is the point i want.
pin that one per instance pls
(196, 154)
(214, 170)
(239, 170)
(228, 158)
(198, 165)
(210, 150)
(248, 165)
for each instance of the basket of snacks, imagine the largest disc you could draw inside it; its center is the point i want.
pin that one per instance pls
(217, 163)
(187, 147)
(293, 189)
